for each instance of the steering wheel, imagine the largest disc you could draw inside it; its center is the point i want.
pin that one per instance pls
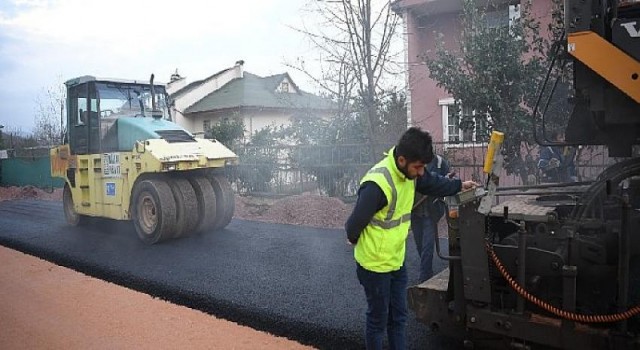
(103, 113)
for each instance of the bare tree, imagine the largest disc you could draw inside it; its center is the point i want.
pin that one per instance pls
(16, 140)
(49, 118)
(354, 39)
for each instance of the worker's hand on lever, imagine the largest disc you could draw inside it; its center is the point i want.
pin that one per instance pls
(469, 185)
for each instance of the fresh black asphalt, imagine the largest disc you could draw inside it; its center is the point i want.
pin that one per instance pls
(292, 281)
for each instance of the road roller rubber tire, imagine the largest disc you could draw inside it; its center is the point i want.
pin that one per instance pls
(225, 200)
(186, 207)
(206, 203)
(154, 211)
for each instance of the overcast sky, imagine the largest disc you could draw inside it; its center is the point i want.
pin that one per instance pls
(44, 43)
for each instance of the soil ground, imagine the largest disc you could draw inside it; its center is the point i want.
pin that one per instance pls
(45, 306)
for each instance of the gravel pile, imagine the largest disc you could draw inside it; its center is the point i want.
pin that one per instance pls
(307, 210)
(29, 192)
(310, 210)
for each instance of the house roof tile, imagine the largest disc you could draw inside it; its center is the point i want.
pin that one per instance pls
(256, 91)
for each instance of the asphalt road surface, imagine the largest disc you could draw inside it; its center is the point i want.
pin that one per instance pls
(292, 281)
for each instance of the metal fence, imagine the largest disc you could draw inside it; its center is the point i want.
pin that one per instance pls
(336, 170)
(325, 170)
(328, 170)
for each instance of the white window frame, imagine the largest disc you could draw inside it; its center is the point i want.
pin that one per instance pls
(513, 12)
(286, 87)
(206, 125)
(445, 104)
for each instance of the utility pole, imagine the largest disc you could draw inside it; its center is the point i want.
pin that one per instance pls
(61, 121)
(1, 146)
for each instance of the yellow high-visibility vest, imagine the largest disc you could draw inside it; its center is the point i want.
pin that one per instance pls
(381, 246)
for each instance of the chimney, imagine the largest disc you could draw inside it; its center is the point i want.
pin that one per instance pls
(175, 76)
(176, 82)
(239, 68)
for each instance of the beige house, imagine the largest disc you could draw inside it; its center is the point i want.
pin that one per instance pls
(235, 94)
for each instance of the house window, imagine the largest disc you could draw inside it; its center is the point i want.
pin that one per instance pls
(461, 124)
(514, 13)
(284, 87)
(503, 16)
(206, 125)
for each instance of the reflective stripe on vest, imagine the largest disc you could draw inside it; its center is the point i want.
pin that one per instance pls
(394, 192)
(391, 223)
(388, 223)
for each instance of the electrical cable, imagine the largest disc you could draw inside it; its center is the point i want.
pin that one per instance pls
(567, 315)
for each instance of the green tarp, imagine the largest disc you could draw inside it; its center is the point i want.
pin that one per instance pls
(34, 171)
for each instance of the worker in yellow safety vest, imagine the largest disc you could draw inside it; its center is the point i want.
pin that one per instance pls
(378, 228)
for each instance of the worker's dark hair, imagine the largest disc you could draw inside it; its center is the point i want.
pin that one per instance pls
(415, 145)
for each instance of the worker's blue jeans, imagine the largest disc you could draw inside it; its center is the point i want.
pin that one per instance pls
(424, 232)
(387, 307)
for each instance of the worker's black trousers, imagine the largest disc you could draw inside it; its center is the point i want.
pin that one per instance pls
(387, 307)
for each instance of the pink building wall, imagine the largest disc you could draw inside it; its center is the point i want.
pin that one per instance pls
(424, 21)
